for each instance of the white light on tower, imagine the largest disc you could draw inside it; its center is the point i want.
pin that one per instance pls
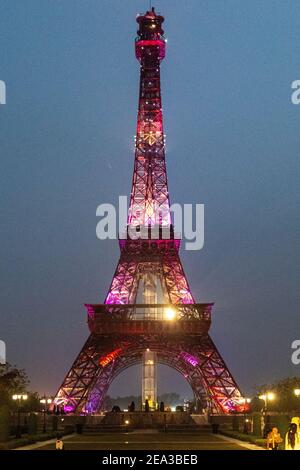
(170, 313)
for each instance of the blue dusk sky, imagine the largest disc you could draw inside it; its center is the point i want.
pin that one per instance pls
(66, 137)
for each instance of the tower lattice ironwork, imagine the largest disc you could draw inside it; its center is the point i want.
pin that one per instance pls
(124, 327)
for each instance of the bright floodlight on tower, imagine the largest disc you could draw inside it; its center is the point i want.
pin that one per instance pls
(170, 313)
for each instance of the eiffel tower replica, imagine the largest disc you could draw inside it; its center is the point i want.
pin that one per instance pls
(149, 315)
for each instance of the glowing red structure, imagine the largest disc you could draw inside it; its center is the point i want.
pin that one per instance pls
(124, 327)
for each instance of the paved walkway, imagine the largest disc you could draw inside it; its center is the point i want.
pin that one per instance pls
(246, 445)
(146, 441)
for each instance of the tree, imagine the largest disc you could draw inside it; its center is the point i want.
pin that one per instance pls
(122, 402)
(285, 398)
(12, 380)
(171, 399)
(33, 402)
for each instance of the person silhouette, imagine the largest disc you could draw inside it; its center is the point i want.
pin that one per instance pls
(131, 407)
(292, 439)
(59, 444)
(273, 439)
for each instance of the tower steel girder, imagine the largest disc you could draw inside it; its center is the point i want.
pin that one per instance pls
(120, 328)
(196, 358)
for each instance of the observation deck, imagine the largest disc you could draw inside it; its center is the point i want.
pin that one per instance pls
(150, 240)
(140, 319)
(150, 40)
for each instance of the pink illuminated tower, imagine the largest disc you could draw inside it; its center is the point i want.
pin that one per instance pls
(149, 316)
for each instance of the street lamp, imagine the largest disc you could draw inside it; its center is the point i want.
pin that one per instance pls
(18, 398)
(245, 401)
(45, 401)
(266, 397)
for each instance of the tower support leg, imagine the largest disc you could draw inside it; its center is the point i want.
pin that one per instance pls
(149, 378)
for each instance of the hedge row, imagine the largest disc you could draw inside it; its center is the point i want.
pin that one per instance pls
(258, 441)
